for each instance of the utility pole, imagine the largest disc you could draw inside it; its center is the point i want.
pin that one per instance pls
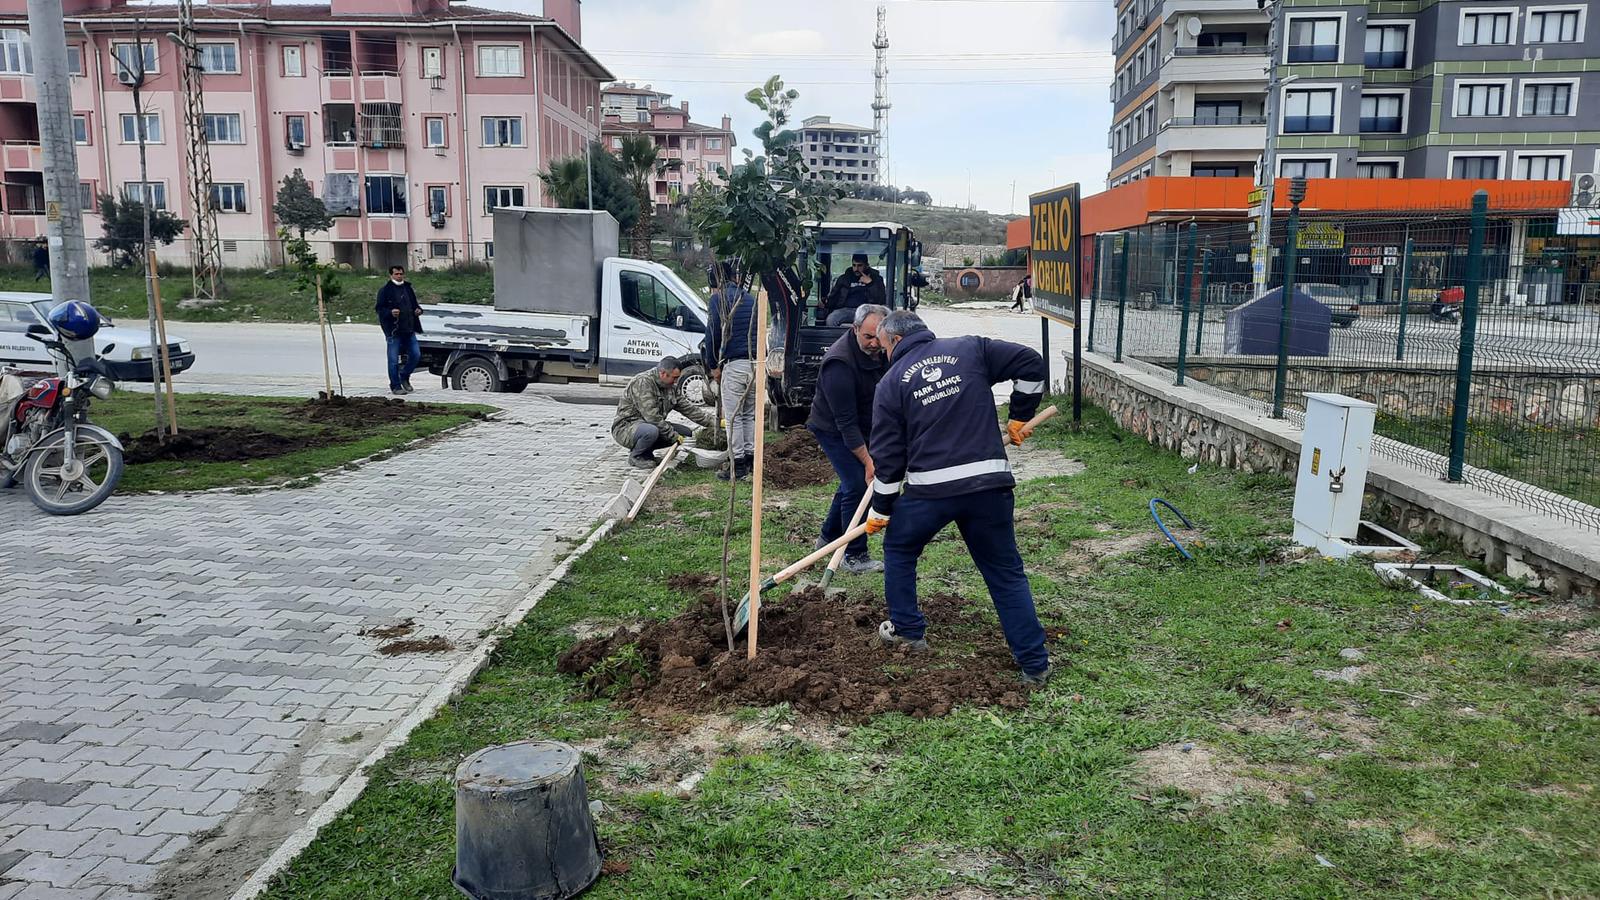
(69, 254)
(135, 78)
(1268, 178)
(588, 150)
(205, 247)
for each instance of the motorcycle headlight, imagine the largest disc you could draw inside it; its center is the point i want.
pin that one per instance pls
(101, 387)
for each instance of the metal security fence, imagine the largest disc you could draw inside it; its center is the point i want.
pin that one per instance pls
(1476, 331)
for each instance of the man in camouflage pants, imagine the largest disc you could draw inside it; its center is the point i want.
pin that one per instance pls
(641, 424)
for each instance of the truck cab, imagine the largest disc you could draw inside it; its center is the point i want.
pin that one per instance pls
(801, 334)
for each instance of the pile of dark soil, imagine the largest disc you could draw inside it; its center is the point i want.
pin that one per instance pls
(364, 412)
(818, 654)
(794, 460)
(433, 644)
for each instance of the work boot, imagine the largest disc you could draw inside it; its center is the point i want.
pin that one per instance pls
(862, 565)
(406, 386)
(642, 462)
(890, 639)
(745, 465)
(398, 392)
(1039, 678)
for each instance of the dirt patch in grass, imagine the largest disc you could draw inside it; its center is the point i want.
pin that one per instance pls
(818, 654)
(795, 460)
(1339, 729)
(364, 412)
(1031, 461)
(673, 758)
(1203, 773)
(432, 644)
(1581, 644)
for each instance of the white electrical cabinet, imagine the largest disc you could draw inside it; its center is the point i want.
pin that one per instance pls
(1333, 477)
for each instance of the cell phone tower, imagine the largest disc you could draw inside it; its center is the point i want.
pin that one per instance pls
(205, 249)
(880, 99)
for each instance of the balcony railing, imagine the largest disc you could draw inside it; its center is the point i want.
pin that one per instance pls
(1246, 50)
(1201, 121)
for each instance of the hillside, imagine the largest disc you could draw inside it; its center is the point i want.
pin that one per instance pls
(931, 224)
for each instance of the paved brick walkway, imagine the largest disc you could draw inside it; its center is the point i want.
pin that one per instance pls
(183, 678)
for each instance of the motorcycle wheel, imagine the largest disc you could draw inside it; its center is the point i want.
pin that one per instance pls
(59, 493)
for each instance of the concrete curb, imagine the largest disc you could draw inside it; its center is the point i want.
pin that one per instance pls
(447, 690)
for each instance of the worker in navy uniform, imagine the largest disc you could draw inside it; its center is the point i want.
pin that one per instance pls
(939, 458)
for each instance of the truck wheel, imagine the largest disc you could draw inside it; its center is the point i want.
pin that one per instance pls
(475, 374)
(696, 386)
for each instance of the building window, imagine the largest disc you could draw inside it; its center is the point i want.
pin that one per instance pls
(1386, 169)
(713, 143)
(1485, 28)
(151, 128)
(1475, 100)
(128, 58)
(1313, 40)
(1215, 171)
(1305, 168)
(438, 200)
(16, 53)
(499, 197)
(153, 193)
(295, 131)
(1217, 112)
(1308, 111)
(80, 129)
(227, 197)
(386, 195)
(219, 57)
(1547, 99)
(438, 249)
(1542, 167)
(224, 128)
(86, 197)
(500, 60)
(488, 249)
(294, 61)
(1475, 167)
(1386, 46)
(1555, 26)
(690, 144)
(433, 131)
(502, 131)
(1382, 113)
(75, 59)
(432, 62)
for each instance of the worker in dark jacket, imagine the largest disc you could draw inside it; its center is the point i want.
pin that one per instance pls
(841, 418)
(727, 354)
(400, 317)
(940, 459)
(860, 285)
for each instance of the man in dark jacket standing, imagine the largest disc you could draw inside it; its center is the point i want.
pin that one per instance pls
(400, 317)
(860, 285)
(841, 418)
(730, 338)
(940, 459)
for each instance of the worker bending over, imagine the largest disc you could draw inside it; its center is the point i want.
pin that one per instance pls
(939, 459)
(641, 424)
(841, 419)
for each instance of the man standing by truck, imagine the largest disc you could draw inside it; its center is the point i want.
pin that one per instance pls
(641, 424)
(841, 419)
(730, 336)
(861, 284)
(400, 317)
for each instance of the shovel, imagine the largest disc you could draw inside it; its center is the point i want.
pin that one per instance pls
(838, 555)
(655, 476)
(742, 617)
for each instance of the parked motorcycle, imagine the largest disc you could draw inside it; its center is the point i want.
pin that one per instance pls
(1448, 313)
(66, 465)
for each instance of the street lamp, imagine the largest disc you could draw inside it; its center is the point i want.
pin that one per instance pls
(588, 150)
(1297, 194)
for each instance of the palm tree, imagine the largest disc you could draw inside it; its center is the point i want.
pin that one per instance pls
(640, 162)
(567, 182)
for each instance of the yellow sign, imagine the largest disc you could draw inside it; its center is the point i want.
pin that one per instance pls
(1054, 253)
(1256, 197)
(1321, 236)
(1316, 460)
(52, 211)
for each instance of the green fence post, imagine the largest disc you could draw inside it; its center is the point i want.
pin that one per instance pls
(1185, 291)
(1094, 294)
(1297, 193)
(1122, 291)
(1200, 323)
(1405, 300)
(1469, 337)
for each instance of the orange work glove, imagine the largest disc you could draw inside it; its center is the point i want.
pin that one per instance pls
(1018, 431)
(876, 522)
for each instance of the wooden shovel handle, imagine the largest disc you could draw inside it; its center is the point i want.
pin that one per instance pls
(1045, 415)
(655, 476)
(857, 519)
(819, 553)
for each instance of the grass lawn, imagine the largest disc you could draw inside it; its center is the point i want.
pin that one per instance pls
(333, 443)
(1458, 759)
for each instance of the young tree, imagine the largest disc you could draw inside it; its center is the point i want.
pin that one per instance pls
(123, 221)
(322, 279)
(300, 209)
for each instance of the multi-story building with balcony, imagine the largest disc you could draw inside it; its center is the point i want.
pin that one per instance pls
(631, 103)
(700, 149)
(1449, 90)
(411, 120)
(839, 152)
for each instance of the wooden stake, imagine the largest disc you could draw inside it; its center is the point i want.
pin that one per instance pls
(322, 325)
(161, 335)
(644, 493)
(759, 385)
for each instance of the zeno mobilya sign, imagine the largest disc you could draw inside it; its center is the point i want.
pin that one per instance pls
(1053, 218)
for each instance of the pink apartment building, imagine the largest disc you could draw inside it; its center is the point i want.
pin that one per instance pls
(412, 119)
(702, 148)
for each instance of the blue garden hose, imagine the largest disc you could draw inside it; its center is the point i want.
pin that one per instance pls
(1163, 526)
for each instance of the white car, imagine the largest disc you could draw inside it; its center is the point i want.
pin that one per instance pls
(130, 358)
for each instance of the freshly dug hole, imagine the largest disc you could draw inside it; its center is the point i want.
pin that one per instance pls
(817, 654)
(796, 460)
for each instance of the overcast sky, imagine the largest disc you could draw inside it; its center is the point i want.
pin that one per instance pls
(1010, 90)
